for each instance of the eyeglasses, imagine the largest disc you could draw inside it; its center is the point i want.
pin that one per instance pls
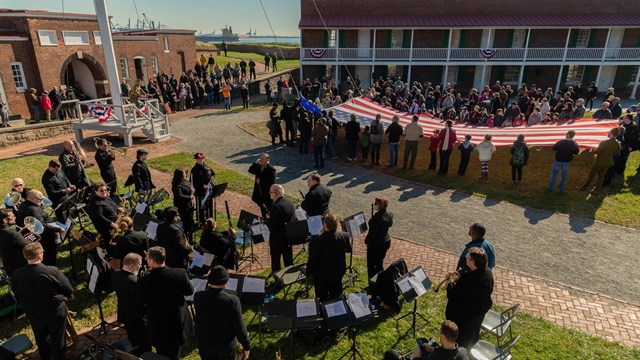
(103, 190)
(18, 185)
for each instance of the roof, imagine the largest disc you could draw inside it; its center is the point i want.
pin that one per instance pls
(45, 14)
(471, 20)
(154, 32)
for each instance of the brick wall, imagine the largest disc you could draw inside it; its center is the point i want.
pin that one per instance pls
(551, 38)
(427, 73)
(17, 51)
(501, 38)
(430, 38)
(350, 38)
(631, 38)
(542, 76)
(312, 38)
(13, 136)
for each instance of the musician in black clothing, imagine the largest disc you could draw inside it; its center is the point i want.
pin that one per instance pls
(469, 298)
(184, 199)
(57, 186)
(141, 173)
(202, 177)
(327, 262)
(130, 241)
(104, 159)
(11, 243)
(173, 240)
(130, 313)
(73, 166)
(378, 239)
(220, 244)
(265, 176)
(162, 294)
(103, 212)
(281, 212)
(33, 207)
(316, 202)
(41, 291)
(17, 185)
(219, 322)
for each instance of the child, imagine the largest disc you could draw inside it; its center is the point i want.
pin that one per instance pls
(45, 104)
(519, 158)
(489, 121)
(485, 149)
(547, 118)
(556, 117)
(365, 140)
(519, 120)
(464, 115)
(433, 149)
(466, 148)
(498, 120)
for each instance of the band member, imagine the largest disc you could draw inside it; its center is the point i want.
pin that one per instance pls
(103, 212)
(476, 232)
(173, 240)
(316, 202)
(11, 243)
(104, 158)
(378, 239)
(327, 262)
(130, 313)
(33, 207)
(130, 241)
(219, 323)
(265, 176)
(162, 293)
(184, 199)
(40, 291)
(281, 212)
(449, 348)
(202, 177)
(17, 185)
(220, 244)
(141, 174)
(469, 298)
(57, 186)
(72, 166)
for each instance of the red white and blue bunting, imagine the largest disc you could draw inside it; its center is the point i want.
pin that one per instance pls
(487, 53)
(143, 106)
(317, 53)
(102, 112)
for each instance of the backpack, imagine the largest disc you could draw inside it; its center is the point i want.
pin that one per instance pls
(518, 156)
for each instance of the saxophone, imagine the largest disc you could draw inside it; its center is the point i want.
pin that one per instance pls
(119, 231)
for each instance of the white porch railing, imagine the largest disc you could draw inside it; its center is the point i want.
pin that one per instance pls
(471, 54)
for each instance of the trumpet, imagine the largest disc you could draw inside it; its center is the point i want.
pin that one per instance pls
(451, 278)
(81, 155)
(110, 147)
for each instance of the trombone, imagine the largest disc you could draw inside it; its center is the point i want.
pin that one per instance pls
(110, 147)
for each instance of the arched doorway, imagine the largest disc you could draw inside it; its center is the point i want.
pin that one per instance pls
(140, 65)
(85, 74)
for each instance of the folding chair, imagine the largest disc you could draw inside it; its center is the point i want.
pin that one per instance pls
(4, 278)
(484, 350)
(18, 345)
(291, 275)
(498, 324)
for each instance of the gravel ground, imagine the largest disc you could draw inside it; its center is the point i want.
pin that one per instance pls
(580, 252)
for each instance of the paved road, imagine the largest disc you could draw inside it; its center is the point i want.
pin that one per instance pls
(575, 251)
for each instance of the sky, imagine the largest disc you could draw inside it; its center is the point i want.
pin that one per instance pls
(199, 15)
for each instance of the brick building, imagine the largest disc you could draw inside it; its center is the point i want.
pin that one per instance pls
(550, 42)
(40, 49)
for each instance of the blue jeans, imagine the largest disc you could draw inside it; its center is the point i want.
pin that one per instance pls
(318, 155)
(393, 154)
(559, 166)
(331, 146)
(227, 103)
(210, 98)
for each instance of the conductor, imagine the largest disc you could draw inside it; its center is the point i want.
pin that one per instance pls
(316, 202)
(104, 158)
(202, 176)
(281, 212)
(141, 174)
(265, 176)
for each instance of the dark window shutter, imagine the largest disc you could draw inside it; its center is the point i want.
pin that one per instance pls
(500, 74)
(463, 38)
(565, 72)
(341, 37)
(388, 44)
(510, 38)
(445, 38)
(573, 39)
(325, 39)
(438, 75)
(592, 38)
(628, 74)
(406, 39)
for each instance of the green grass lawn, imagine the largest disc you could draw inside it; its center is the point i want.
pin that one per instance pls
(234, 57)
(616, 205)
(540, 338)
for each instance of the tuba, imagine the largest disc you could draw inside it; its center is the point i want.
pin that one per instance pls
(13, 198)
(32, 229)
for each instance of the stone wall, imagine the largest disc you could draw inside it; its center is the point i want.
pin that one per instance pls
(289, 53)
(13, 136)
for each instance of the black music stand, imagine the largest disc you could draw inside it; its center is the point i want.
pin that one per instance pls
(355, 225)
(345, 313)
(93, 274)
(413, 285)
(245, 220)
(300, 232)
(292, 315)
(216, 191)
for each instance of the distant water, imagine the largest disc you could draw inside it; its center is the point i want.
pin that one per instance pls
(285, 40)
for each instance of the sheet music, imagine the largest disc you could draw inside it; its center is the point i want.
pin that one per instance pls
(152, 230)
(359, 219)
(335, 309)
(93, 276)
(315, 224)
(232, 285)
(417, 285)
(354, 229)
(206, 195)
(141, 207)
(301, 214)
(208, 259)
(420, 274)
(359, 308)
(306, 308)
(198, 260)
(66, 226)
(265, 232)
(198, 285)
(88, 266)
(404, 285)
(253, 285)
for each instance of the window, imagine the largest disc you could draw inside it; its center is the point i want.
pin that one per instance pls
(396, 38)
(332, 38)
(511, 74)
(48, 37)
(394, 70)
(165, 41)
(575, 73)
(75, 37)
(18, 76)
(124, 68)
(519, 36)
(455, 38)
(154, 64)
(582, 40)
(634, 73)
(97, 39)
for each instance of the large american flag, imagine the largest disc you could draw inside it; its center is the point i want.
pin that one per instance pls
(589, 132)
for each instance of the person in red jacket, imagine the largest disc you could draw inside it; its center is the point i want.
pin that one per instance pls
(446, 140)
(433, 149)
(45, 104)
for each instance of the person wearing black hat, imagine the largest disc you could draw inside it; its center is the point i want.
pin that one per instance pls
(104, 158)
(316, 202)
(511, 112)
(219, 323)
(202, 176)
(265, 176)
(141, 174)
(103, 212)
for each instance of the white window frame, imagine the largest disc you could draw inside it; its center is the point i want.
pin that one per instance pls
(67, 35)
(124, 68)
(575, 73)
(97, 38)
(154, 65)
(582, 39)
(634, 73)
(455, 38)
(518, 39)
(46, 34)
(511, 74)
(17, 74)
(165, 43)
(396, 39)
(332, 39)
